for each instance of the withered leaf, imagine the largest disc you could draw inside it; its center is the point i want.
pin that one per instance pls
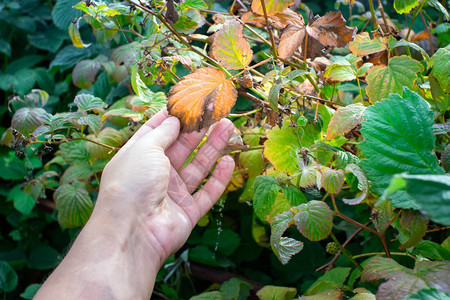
(323, 33)
(201, 98)
(279, 20)
(171, 13)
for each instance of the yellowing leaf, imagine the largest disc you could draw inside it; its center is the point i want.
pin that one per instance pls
(230, 47)
(345, 119)
(74, 34)
(272, 6)
(201, 98)
(364, 45)
(400, 72)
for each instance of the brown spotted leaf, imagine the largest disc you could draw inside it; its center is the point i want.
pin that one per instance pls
(364, 45)
(201, 98)
(272, 6)
(345, 119)
(230, 47)
(323, 33)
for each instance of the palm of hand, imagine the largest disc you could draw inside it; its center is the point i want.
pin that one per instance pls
(161, 194)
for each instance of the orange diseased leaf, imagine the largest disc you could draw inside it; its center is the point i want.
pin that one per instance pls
(272, 6)
(230, 47)
(323, 33)
(201, 98)
(279, 21)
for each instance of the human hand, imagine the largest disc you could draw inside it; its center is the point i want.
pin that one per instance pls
(144, 186)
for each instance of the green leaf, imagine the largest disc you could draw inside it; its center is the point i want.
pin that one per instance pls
(412, 226)
(224, 242)
(63, 13)
(108, 136)
(189, 21)
(445, 158)
(314, 220)
(215, 295)
(126, 55)
(153, 101)
(404, 43)
(282, 146)
(266, 190)
(405, 6)
(27, 119)
(74, 151)
(70, 55)
(339, 72)
(236, 288)
(22, 202)
(8, 277)
(253, 162)
(84, 73)
(93, 121)
(196, 4)
(5, 47)
(431, 250)
(429, 294)
(363, 184)
(440, 64)
(430, 193)
(274, 95)
(30, 291)
(50, 39)
(401, 281)
(43, 258)
(78, 171)
(294, 196)
(86, 102)
(391, 148)
(332, 180)
(283, 247)
(73, 204)
(136, 116)
(12, 168)
(438, 6)
(74, 34)
(400, 72)
(271, 292)
(333, 279)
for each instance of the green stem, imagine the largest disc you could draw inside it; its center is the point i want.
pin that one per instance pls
(372, 12)
(412, 21)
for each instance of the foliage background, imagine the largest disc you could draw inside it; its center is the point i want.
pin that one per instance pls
(231, 241)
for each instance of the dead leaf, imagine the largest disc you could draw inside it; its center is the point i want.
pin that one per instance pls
(279, 21)
(230, 47)
(323, 33)
(171, 13)
(201, 98)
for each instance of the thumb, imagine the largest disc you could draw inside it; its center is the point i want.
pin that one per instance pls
(164, 135)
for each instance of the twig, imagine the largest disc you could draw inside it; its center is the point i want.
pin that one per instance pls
(245, 114)
(382, 253)
(428, 32)
(354, 222)
(76, 139)
(272, 39)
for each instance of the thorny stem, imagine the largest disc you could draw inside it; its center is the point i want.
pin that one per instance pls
(356, 223)
(345, 252)
(390, 222)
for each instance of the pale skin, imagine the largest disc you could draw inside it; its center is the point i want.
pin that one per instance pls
(147, 206)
